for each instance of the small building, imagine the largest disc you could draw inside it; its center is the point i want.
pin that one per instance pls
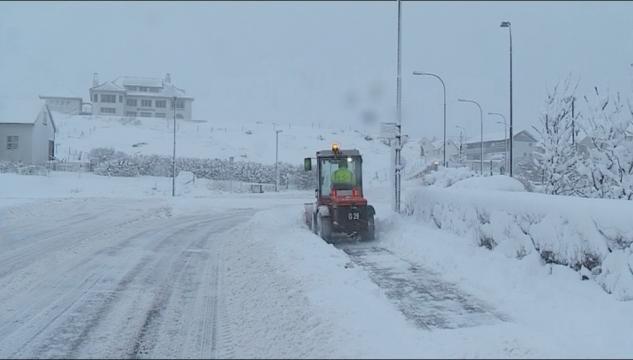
(63, 104)
(27, 132)
(140, 97)
(494, 146)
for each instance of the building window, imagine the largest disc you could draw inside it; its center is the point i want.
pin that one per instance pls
(180, 104)
(108, 110)
(95, 98)
(160, 115)
(120, 98)
(161, 103)
(130, 113)
(154, 89)
(131, 102)
(146, 103)
(12, 142)
(146, 114)
(108, 98)
(143, 88)
(179, 116)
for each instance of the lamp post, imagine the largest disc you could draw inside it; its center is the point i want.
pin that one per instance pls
(444, 88)
(507, 24)
(481, 117)
(173, 159)
(277, 159)
(505, 139)
(398, 147)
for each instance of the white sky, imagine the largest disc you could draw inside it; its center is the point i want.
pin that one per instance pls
(299, 61)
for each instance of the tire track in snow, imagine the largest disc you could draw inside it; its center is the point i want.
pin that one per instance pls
(93, 308)
(420, 294)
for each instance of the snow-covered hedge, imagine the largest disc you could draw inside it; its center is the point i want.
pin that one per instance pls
(593, 236)
(116, 163)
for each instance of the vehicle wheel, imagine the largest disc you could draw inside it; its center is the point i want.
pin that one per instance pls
(324, 227)
(369, 233)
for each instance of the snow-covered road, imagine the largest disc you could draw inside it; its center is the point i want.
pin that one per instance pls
(241, 276)
(110, 278)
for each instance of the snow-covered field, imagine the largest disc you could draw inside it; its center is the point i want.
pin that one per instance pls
(121, 269)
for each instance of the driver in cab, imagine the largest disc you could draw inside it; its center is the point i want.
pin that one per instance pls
(342, 175)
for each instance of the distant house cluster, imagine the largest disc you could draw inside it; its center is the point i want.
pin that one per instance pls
(27, 127)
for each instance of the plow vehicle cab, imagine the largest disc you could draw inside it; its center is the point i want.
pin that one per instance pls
(339, 205)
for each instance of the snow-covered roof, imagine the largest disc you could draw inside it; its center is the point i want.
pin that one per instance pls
(138, 81)
(19, 111)
(496, 136)
(44, 97)
(108, 86)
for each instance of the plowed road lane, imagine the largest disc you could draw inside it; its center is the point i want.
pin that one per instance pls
(110, 278)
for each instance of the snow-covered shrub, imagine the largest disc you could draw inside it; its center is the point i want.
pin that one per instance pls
(100, 155)
(445, 177)
(593, 236)
(214, 169)
(124, 168)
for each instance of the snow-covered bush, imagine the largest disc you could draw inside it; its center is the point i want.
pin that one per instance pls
(125, 168)
(445, 177)
(100, 155)
(120, 164)
(594, 236)
(21, 168)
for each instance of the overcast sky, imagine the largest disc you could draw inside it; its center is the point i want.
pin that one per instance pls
(326, 62)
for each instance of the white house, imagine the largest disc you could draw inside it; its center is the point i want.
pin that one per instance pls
(142, 97)
(27, 131)
(494, 146)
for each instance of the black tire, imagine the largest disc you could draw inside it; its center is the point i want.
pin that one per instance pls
(369, 233)
(324, 228)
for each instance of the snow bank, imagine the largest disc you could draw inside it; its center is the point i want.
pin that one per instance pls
(445, 177)
(593, 236)
(496, 182)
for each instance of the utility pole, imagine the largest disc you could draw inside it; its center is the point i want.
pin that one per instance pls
(397, 169)
(173, 159)
(277, 159)
(507, 24)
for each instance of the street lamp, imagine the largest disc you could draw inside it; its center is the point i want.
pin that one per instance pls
(443, 87)
(505, 139)
(277, 159)
(481, 117)
(173, 159)
(506, 24)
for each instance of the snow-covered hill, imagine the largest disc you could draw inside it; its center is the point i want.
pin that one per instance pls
(255, 141)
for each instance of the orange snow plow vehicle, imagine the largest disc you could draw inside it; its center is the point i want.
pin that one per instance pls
(339, 205)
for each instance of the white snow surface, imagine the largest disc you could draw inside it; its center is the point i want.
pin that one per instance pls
(121, 270)
(495, 182)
